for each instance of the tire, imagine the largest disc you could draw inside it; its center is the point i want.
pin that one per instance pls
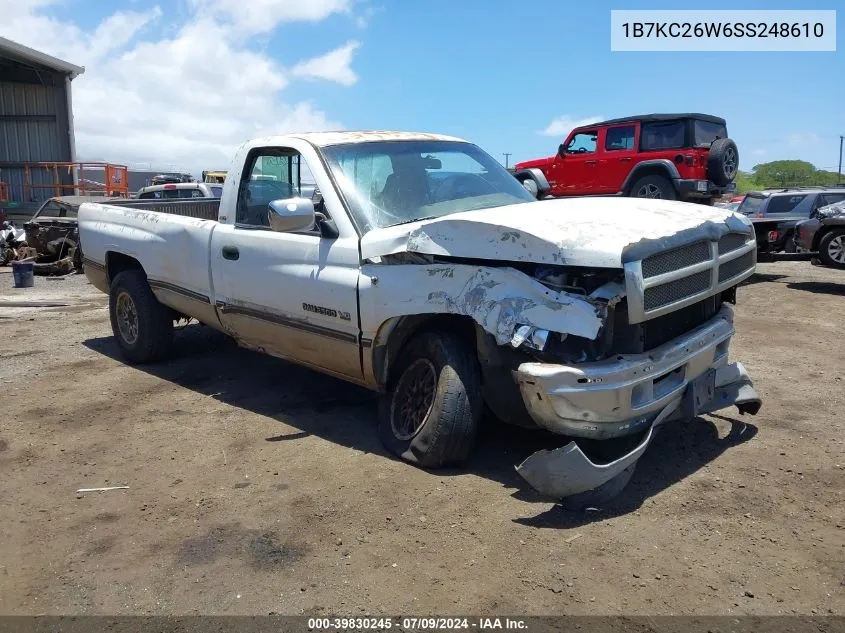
(148, 335)
(832, 249)
(722, 161)
(441, 368)
(789, 243)
(654, 186)
(77, 258)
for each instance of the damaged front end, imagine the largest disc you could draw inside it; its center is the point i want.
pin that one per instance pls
(592, 340)
(665, 358)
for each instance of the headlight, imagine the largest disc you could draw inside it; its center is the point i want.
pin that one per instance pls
(530, 336)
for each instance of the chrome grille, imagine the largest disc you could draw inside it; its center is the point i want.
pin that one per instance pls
(664, 294)
(670, 280)
(676, 258)
(734, 267)
(732, 242)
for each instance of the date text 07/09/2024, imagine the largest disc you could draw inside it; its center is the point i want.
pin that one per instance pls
(416, 624)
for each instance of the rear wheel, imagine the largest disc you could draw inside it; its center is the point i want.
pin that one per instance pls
(430, 415)
(722, 161)
(654, 187)
(832, 249)
(142, 327)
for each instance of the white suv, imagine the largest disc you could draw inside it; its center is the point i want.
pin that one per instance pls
(180, 190)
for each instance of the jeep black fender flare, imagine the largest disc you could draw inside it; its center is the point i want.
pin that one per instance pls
(661, 166)
(537, 175)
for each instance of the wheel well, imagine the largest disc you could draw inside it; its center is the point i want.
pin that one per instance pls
(822, 232)
(394, 334)
(649, 170)
(116, 263)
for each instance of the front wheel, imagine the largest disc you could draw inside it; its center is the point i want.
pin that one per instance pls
(832, 249)
(430, 414)
(654, 187)
(142, 327)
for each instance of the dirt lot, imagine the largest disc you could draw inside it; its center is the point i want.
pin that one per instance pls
(256, 486)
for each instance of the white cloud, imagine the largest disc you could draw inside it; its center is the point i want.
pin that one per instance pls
(366, 15)
(333, 66)
(184, 95)
(563, 125)
(262, 16)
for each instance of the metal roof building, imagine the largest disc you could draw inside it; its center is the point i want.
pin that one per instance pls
(36, 120)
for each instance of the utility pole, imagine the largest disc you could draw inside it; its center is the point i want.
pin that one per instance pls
(839, 176)
(507, 155)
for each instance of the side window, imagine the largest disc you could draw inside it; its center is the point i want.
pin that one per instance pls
(582, 143)
(786, 204)
(149, 195)
(659, 135)
(830, 198)
(271, 174)
(618, 138)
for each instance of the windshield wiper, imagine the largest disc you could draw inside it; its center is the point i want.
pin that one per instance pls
(428, 217)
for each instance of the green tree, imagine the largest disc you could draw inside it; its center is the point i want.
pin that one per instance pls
(782, 173)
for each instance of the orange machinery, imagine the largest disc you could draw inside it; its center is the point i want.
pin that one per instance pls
(114, 183)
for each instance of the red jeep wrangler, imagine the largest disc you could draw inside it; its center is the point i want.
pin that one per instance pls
(671, 156)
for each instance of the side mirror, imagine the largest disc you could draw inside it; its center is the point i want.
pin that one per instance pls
(534, 181)
(561, 150)
(292, 214)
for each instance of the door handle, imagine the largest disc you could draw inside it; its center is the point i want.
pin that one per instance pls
(625, 160)
(231, 252)
(589, 162)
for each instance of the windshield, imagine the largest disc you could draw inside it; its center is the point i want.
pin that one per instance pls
(52, 209)
(395, 182)
(707, 132)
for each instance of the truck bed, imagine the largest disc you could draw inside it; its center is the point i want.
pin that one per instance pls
(202, 208)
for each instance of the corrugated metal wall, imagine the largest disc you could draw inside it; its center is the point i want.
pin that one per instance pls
(33, 128)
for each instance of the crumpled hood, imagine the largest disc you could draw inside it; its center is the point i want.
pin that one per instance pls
(831, 211)
(599, 232)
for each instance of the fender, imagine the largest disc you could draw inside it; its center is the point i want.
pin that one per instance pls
(662, 164)
(537, 175)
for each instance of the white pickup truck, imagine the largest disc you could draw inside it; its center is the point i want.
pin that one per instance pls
(421, 269)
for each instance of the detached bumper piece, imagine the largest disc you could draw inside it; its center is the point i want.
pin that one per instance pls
(567, 471)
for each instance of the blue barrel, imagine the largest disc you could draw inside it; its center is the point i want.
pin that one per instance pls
(24, 274)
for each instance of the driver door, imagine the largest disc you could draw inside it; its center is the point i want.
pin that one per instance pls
(290, 294)
(575, 171)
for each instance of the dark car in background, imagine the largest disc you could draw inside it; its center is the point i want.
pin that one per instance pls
(775, 214)
(824, 233)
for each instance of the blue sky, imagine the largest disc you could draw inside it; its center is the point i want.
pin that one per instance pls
(498, 74)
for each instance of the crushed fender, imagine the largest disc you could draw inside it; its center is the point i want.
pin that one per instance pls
(498, 299)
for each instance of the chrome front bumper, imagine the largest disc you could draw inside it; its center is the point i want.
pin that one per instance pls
(630, 394)
(623, 396)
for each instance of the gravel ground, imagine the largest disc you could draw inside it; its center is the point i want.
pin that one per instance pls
(257, 486)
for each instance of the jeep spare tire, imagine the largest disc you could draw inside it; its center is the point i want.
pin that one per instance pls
(723, 161)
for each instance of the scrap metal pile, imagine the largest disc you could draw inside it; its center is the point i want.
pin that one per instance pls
(53, 249)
